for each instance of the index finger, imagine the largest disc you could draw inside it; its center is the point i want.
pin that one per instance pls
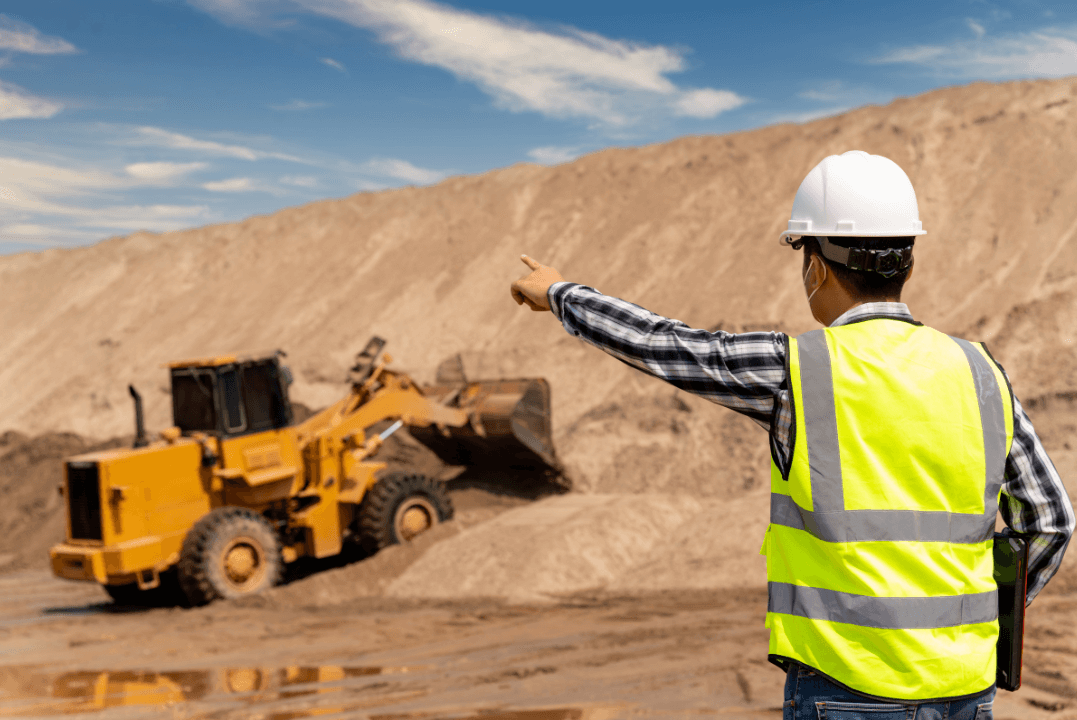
(533, 264)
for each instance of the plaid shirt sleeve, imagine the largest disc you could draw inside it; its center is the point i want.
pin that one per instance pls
(1035, 503)
(744, 372)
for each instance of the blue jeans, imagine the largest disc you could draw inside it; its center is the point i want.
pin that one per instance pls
(810, 696)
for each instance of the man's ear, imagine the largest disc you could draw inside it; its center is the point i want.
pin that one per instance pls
(817, 273)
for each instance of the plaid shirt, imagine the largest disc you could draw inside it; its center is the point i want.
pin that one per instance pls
(746, 373)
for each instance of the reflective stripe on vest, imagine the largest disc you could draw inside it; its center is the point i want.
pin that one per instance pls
(889, 600)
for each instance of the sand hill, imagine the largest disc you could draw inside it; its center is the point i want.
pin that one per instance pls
(686, 228)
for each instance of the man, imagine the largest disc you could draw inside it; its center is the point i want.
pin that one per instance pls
(890, 445)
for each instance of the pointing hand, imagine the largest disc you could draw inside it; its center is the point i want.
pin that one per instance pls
(532, 288)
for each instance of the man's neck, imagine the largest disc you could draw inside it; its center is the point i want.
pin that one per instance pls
(832, 311)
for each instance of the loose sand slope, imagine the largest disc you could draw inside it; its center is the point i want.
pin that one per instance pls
(686, 228)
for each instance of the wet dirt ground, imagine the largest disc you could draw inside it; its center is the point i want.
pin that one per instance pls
(65, 651)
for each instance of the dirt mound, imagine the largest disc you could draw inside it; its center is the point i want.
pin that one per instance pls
(551, 548)
(32, 515)
(687, 228)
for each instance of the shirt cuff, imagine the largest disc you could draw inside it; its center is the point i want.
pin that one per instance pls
(555, 296)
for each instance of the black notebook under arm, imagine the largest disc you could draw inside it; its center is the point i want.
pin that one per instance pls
(1011, 576)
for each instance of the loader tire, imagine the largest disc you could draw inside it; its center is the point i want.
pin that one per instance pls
(400, 507)
(229, 553)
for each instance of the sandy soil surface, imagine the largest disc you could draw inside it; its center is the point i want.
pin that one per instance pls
(673, 654)
(354, 642)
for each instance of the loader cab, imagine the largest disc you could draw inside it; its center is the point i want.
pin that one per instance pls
(229, 396)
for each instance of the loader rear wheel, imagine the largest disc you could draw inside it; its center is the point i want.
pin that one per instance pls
(399, 508)
(229, 553)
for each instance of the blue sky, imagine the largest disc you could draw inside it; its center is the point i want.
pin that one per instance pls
(121, 115)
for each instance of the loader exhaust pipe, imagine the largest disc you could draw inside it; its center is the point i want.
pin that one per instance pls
(140, 423)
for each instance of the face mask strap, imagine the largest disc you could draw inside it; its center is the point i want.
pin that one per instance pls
(805, 278)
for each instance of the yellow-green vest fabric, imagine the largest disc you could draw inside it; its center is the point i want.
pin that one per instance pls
(879, 551)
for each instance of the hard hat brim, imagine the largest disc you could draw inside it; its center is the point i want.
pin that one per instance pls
(790, 236)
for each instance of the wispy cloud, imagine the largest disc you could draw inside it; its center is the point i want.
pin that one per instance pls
(299, 105)
(403, 170)
(19, 176)
(44, 204)
(236, 184)
(166, 138)
(707, 103)
(159, 137)
(17, 36)
(568, 73)
(977, 29)
(1048, 52)
(335, 64)
(17, 103)
(552, 155)
(162, 172)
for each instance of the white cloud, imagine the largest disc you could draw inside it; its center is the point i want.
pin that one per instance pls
(236, 184)
(20, 37)
(335, 64)
(565, 74)
(1049, 52)
(299, 105)
(707, 103)
(31, 204)
(976, 28)
(17, 103)
(28, 209)
(159, 137)
(552, 155)
(27, 176)
(25, 230)
(156, 172)
(403, 170)
(166, 138)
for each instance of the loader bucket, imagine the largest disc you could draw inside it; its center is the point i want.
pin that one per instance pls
(510, 425)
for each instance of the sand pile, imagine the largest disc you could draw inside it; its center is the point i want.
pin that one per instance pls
(575, 543)
(32, 515)
(686, 228)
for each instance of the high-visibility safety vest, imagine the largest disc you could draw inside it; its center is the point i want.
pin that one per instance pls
(879, 549)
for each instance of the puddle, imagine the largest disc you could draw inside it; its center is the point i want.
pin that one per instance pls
(558, 714)
(555, 714)
(26, 692)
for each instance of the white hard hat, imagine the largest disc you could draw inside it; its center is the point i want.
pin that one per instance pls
(855, 195)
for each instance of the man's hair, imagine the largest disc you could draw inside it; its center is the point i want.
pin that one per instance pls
(866, 284)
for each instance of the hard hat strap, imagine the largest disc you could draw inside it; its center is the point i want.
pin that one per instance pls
(887, 261)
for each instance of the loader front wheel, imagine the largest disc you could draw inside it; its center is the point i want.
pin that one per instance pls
(229, 553)
(399, 508)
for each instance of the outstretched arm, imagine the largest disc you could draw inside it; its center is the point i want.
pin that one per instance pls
(743, 372)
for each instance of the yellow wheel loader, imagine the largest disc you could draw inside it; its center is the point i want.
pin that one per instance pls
(224, 499)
